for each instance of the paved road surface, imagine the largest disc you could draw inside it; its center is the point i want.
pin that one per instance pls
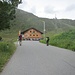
(34, 58)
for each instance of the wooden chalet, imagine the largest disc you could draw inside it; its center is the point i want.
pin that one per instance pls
(32, 34)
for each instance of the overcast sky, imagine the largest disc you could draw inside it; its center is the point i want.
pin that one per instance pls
(50, 8)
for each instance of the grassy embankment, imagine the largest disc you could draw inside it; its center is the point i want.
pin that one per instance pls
(7, 47)
(6, 50)
(63, 40)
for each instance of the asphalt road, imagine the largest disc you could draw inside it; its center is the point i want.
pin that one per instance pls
(34, 58)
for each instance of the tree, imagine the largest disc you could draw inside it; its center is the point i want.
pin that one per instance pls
(7, 12)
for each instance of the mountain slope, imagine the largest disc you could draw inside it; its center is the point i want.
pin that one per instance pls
(25, 20)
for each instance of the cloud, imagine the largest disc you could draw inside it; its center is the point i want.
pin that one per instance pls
(33, 9)
(49, 10)
(70, 8)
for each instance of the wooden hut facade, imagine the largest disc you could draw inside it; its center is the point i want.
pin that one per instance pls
(32, 34)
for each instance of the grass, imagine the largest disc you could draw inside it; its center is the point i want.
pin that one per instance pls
(6, 50)
(7, 46)
(63, 40)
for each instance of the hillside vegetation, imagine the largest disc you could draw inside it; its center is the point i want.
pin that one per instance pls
(64, 40)
(25, 20)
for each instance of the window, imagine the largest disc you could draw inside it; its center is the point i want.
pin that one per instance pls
(33, 35)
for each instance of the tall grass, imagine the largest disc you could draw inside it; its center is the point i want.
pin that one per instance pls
(7, 46)
(64, 40)
(6, 50)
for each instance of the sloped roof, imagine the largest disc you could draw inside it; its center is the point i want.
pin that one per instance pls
(29, 29)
